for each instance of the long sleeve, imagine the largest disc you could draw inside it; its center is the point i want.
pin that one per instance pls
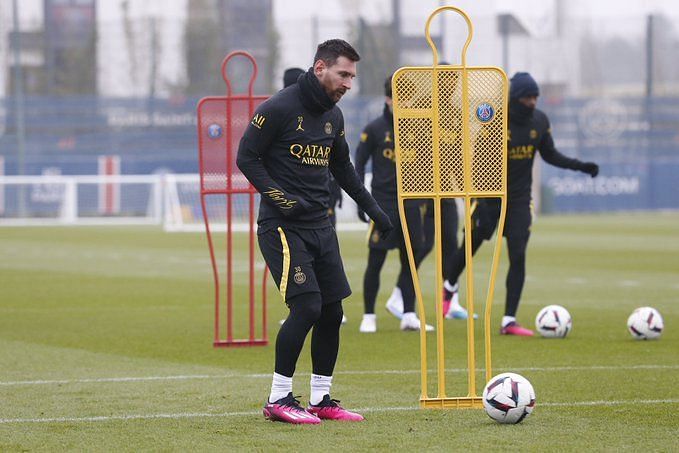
(254, 144)
(346, 176)
(552, 156)
(363, 153)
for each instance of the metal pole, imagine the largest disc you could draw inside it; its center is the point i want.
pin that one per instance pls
(314, 34)
(504, 31)
(396, 27)
(19, 103)
(649, 56)
(154, 69)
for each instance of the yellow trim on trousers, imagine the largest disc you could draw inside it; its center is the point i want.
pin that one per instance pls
(283, 287)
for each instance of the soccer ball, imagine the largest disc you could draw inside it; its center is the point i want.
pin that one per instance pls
(645, 323)
(508, 398)
(553, 321)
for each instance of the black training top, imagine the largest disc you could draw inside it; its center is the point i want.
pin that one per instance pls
(294, 139)
(377, 143)
(528, 133)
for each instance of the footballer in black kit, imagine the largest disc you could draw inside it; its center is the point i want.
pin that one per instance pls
(290, 77)
(529, 133)
(294, 141)
(377, 145)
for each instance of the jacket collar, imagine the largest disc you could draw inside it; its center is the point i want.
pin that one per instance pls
(313, 96)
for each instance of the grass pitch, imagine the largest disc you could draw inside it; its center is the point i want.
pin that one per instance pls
(106, 344)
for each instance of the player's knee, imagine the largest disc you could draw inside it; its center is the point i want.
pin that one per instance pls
(307, 307)
(518, 259)
(332, 313)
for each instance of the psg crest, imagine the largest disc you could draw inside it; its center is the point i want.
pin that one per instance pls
(485, 112)
(214, 131)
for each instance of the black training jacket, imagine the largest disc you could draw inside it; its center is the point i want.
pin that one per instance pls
(528, 134)
(295, 139)
(377, 143)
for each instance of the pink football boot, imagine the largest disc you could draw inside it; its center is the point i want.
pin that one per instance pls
(328, 409)
(447, 298)
(288, 410)
(514, 328)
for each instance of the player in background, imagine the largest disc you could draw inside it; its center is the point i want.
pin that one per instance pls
(529, 132)
(294, 141)
(449, 227)
(449, 220)
(377, 145)
(290, 76)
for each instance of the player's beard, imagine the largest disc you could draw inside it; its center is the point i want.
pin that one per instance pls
(337, 94)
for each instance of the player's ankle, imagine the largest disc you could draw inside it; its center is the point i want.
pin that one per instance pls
(450, 287)
(409, 315)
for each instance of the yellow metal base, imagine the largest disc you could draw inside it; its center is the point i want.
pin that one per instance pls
(465, 402)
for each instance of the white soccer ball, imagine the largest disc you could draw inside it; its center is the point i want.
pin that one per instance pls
(553, 321)
(508, 398)
(645, 323)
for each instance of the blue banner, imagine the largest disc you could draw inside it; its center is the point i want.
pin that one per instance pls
(635, 141)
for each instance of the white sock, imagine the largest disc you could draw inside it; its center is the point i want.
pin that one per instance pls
(280, 387)
(372, 316)
(450, 287)
(410, 314)
(320, 386)
(507, 320)
(396, 293)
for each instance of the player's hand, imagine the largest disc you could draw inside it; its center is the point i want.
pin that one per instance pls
(361, 216)
(382, 223)
(590, 168)
(300, 207)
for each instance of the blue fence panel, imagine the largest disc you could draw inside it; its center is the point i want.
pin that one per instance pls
(634, 140)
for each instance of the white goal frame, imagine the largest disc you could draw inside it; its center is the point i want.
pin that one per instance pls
(169, 196)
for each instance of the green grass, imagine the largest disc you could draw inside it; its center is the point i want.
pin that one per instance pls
(83, 308)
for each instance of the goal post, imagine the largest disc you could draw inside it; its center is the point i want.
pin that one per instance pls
(74, 200)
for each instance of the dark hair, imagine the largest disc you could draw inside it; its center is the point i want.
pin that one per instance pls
(291, 75)
(330, 50)
(387, 86)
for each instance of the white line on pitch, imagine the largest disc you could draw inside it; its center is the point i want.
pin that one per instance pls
(629, 283)
(187, 377)
(106, 418)
(116, 379)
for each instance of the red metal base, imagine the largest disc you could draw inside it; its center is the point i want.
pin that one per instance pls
(239, 343)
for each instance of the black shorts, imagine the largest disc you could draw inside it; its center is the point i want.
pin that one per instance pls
(305, 261)
(487, 214)
(414, 210)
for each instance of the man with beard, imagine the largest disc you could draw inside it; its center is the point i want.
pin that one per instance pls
(529, 131)
(294, 141)
(290, 77)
